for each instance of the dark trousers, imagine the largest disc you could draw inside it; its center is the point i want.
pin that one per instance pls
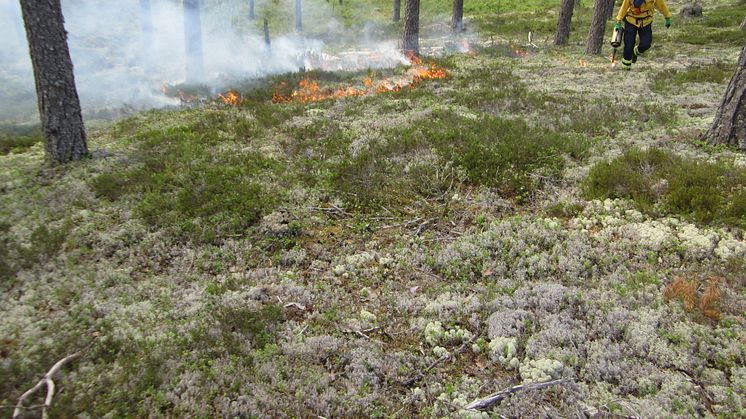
(630, 35)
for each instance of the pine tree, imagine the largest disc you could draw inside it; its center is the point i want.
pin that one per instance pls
(457, 21)
(729, 126)
(412, 27)
(57, 97)
(563, 24)
(598, 26)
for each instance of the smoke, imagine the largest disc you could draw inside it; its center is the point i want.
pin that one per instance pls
(120, 62)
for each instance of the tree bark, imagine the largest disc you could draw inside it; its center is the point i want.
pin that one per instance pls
(266, 34)
(195, 70)
(397, 11)
(57, 97)
(457, 21)
(298, 16)
(563, 24)
(412, 27)
(729, 125)
(597, 29)
(252, 16)
(610, 9)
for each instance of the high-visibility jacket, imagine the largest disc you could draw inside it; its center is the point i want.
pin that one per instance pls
(643, 15)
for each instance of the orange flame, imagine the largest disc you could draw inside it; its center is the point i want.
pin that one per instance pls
(583, 63)
(309, 90)
(230, 97)
(613, 60)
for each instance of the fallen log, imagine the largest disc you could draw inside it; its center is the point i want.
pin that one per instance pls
(494, 398)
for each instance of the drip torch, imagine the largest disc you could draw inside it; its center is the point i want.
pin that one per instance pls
(616, 41)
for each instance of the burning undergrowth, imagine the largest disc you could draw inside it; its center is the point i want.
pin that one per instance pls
(309, 90)
(322, 77)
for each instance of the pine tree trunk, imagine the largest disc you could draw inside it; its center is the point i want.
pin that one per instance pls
(252, 16)
(412, 27)
(298, 16)
(397, 11)
(729, 126)
(598, 27)
(563, 24)
(610, 9)
(195, 70)
(457, 21)
(57, 97)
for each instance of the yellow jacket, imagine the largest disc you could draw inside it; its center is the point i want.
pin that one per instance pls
(643, 15)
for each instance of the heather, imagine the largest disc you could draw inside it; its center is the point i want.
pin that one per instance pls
(515, 220)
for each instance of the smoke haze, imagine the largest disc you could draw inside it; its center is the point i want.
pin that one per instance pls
(117, 64)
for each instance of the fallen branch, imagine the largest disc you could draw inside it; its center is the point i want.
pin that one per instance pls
(47, 379)
(421, 374)
(492, 399)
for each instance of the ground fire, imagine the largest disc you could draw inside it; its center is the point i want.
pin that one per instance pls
(309, 91)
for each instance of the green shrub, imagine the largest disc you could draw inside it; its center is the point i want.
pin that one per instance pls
(717, 72)
(500, 153)
(660, 182)
(17, 138)
(730, 36)
(188, 178)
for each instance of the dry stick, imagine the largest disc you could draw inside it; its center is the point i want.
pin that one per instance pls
(47, 379)
(492, 399)
(421, 374)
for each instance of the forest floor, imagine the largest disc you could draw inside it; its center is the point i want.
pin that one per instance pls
(534, 215)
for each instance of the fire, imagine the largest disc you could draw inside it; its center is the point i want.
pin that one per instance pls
(309, 90)
(230, 97)
(583, 63)
(613, 60)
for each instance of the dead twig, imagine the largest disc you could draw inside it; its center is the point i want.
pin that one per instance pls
(47, 379)
(421, 374)
(492, 399)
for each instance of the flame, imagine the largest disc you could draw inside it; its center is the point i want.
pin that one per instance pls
(231, 98)
(583, 63)
(613, 60)
(309, 90)
(172, 91)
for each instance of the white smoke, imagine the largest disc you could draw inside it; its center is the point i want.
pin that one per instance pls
(116, 67)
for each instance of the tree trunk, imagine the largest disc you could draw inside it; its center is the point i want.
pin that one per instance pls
(298, 16)
(743, 24)
(563, 25)
(412, 27)
(59, 105)
(252, 16)
(598, 27)
(266, 34)
(195, 70)
(397, 11)
(610, 9)
(146, 18)
(729, 126)
(457, 21)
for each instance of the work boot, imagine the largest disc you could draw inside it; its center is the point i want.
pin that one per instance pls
(634, 55)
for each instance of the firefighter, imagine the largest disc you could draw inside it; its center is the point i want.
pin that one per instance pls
(638, 19)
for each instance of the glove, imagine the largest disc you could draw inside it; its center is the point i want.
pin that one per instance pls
(618, 25)
(668, 22)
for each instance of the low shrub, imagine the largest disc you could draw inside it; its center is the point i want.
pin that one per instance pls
(660, 182)
(716, 72)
